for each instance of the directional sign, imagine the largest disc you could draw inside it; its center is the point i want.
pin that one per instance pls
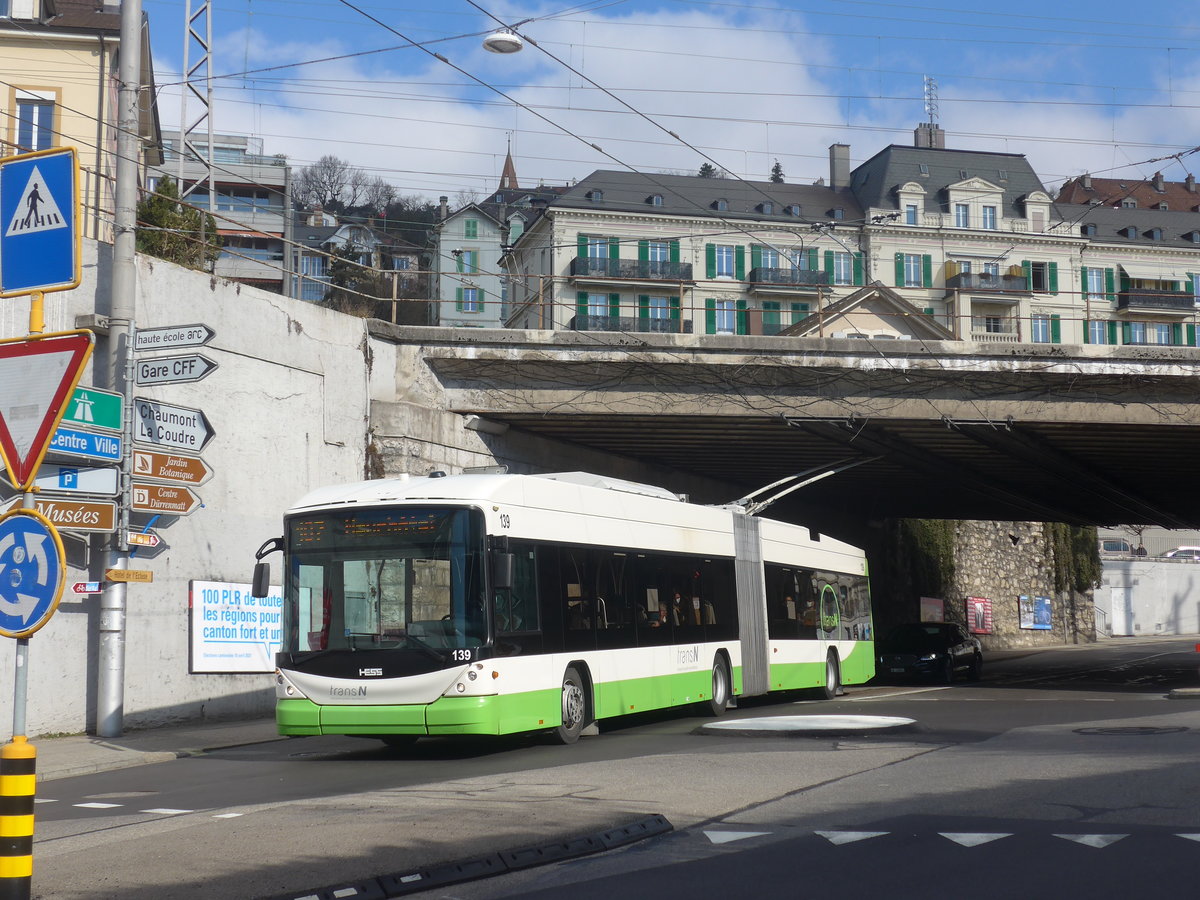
(86, 587)
(40, 240)
(93, 408)
(172, 369)
(31, 572)
(163, 498)
(144, 576)
(173, 337)
(77, 479)
(172, 467)
(142, 538)
(74, 442)
(37, 376)
(76, 515)
(170, 426)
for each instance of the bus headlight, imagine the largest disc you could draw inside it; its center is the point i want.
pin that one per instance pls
(460, 687)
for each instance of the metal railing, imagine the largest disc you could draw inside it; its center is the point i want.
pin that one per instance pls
(630, 269)
(804, 279)
(983, 281)
(630, 324)
(1173, 301)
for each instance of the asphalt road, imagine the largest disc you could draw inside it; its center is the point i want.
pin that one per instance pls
(1064, 770)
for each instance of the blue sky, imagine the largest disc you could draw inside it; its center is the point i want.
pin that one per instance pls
(1075, 86)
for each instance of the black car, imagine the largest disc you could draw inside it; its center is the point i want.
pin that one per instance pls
(929, 649)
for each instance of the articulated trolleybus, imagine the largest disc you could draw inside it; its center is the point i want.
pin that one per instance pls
(490, 604)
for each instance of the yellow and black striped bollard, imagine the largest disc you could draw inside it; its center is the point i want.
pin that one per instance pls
(18, 763)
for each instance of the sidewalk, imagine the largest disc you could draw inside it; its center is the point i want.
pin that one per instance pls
(66, 757)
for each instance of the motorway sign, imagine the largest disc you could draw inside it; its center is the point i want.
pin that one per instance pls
(93, 408)
(173, 467)
(78, 479)
(145, 576)
(175, 500)
(170, 426)
(74, 442)
(173, 337)
(37, 376)
(40, 240)
(142, 538)
(172, 369)
(86, 587)
(76, 515)
(31, 558)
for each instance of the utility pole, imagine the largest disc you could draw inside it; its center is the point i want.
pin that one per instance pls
(110, 698)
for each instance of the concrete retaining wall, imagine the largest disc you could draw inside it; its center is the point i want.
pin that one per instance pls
(1149, 596)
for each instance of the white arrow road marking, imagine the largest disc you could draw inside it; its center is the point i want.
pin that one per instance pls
(1092, 840)
(1190, 837)
(725, 837)
(168, 812)
(972, 840)
(37, 552)
(849, 837)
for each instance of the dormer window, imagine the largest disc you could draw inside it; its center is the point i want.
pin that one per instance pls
(924, 168)
(1127, 232)
(721, 205)
(767, 208)
(1163, 206)
(1128, 203)
(655, 200)
(794, 210)
(595, 196)
(1002, 174)
(1088, 229)
(837, 213)
(1152, 234)
(1193, 236)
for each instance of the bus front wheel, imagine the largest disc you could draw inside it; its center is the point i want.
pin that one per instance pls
(574, 708)
(833, 677)
(718, 702)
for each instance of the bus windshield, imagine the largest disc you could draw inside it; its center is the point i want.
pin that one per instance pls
(385, 578)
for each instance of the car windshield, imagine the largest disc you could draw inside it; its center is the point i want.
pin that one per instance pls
(916, 638)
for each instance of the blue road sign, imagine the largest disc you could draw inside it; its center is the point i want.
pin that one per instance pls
(74, 442)
(31, 572)
(39, 229)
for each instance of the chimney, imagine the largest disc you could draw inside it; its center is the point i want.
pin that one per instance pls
(1159, 185)
(929, 136)
(443, 208)
(839, 165)
(1190, 183)
(1086, 181)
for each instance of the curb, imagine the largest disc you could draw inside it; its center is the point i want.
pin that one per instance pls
(402, 884)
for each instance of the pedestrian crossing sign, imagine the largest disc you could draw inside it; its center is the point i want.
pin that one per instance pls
(39, 222)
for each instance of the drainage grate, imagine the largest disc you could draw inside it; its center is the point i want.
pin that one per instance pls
(1134, 730)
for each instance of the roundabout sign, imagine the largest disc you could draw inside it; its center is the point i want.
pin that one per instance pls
(31, 572)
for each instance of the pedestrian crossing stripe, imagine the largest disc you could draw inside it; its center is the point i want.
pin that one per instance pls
(37, 209)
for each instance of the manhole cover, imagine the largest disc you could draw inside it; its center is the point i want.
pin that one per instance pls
(1134, 730)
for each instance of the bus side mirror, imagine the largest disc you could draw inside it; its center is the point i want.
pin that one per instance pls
(503, 569)
(261, 584)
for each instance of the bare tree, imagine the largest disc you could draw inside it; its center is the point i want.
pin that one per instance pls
(330, 183)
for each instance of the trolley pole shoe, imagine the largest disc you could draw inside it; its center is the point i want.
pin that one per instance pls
(18, 764)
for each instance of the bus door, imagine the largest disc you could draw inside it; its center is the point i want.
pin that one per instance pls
(752, 604)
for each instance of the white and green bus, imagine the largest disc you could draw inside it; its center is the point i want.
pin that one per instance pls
(491, 604)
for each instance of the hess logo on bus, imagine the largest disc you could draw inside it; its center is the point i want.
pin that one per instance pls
(368, 673)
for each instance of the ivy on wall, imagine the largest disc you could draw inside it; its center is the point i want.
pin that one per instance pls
(924, 552)
(1075, 551)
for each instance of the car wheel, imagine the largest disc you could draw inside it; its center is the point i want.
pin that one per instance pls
(976, 671)
(574, 708)
(948, 670)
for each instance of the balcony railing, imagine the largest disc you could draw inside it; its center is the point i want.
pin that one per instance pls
(801, 279)
(630, 323)
(982, 281)
(1160, 301)
(630, 269)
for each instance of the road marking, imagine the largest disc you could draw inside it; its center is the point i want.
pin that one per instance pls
(98, 805)
(168, 812)
(849, 837)
(226, 815)
(725, 837)
(1092, 840)
(972, 840)
(41, 800)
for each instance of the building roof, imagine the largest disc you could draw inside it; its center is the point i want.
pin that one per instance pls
(89, 16)
(1148, 193)
(875, 182)
(693, 195)
(881, 301)
(1112, 225)
(317, 236)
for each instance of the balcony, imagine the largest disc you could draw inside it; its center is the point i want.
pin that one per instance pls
(630, 324)
(803, 281)
(1144, 300)
(981, 281)
(629, 270)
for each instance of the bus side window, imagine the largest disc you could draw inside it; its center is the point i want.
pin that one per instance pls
(517, 609)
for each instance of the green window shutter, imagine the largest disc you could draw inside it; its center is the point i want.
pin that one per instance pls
(1112, 332)
(1083, 281)
(710, 260)
(581, 245)
(739, 262)
(673, 303)
(710, 316)
(799, 310)
(813, 263)
(614, 305)
(1055, 330)
(1177, 334)
(643, 306)
(1087, 331)
(1124, 282)
(743, 318)
(1125, 333)
(614, 248)
(1027, 269)
(471, 228)
(755, 256)
(643, 251)
(858, 269)
(928, 310)
(581, 304)
(1109, 290)
(673, 251)
(458, 299)
(829, 265)
(771, 317)
(1191, 335)
(1052, 276)
(899, 270)
(1189, 286)
(927, 270)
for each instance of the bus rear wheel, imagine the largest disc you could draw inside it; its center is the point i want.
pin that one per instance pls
(833, 677)
(574, 708)
(718, 701)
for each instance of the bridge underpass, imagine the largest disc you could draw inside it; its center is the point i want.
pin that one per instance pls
(1086, 435)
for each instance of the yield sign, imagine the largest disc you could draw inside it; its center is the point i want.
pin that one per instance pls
(37, 376)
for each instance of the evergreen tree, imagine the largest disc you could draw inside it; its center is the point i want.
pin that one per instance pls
(708, 170)
(349, 280)
(174, 231)
(777, 173)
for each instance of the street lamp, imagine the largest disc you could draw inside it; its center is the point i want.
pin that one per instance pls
(503, 41)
